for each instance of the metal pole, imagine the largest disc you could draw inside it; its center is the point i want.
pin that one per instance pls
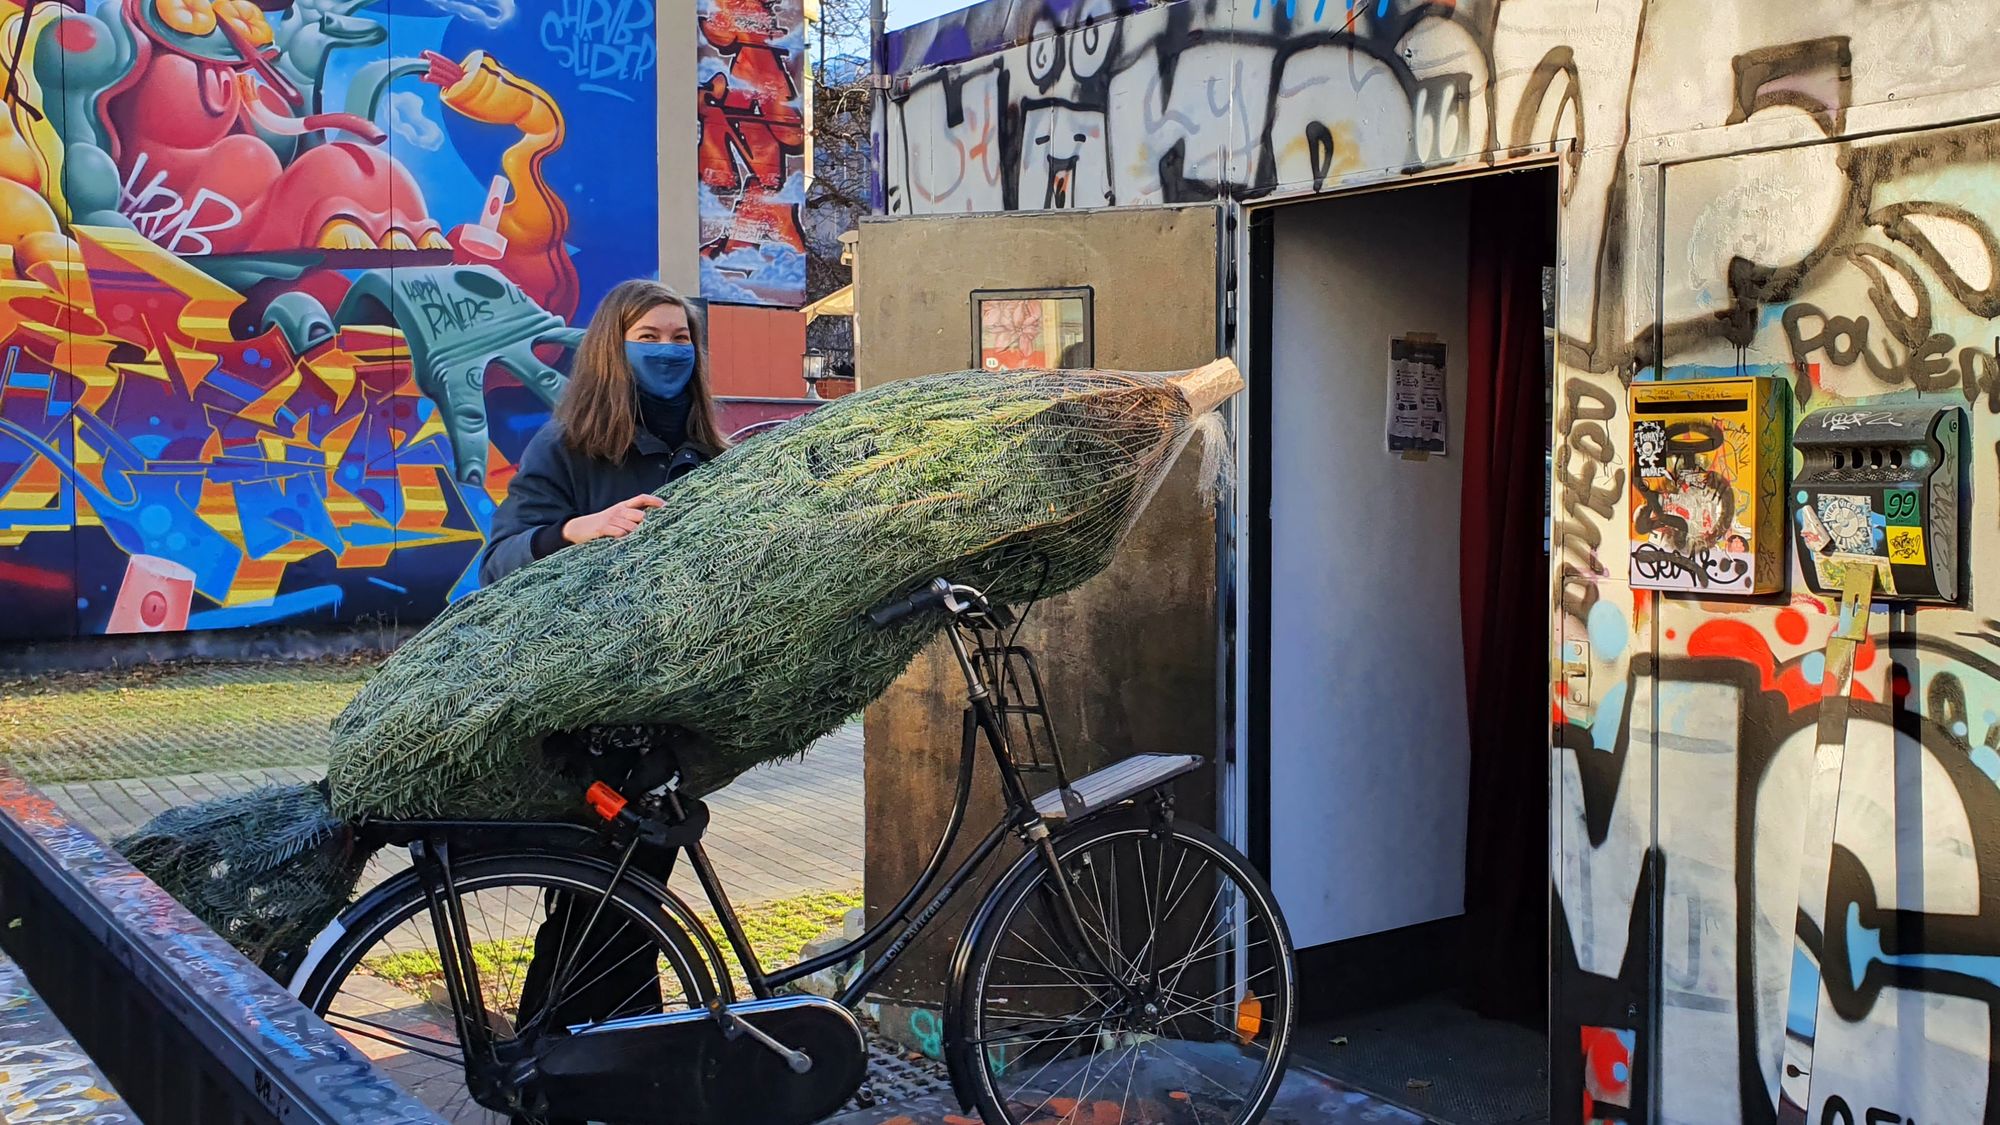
(878, 90)
(878, 19)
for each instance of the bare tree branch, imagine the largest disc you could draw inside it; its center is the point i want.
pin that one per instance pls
(843, 161)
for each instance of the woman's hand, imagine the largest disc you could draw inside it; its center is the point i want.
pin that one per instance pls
(614, 522)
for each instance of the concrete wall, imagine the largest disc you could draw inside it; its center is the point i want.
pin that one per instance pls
(1801, 190)
(1129, 659)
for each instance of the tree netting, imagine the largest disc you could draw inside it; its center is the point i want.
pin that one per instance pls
(735, 613)
(266, 869)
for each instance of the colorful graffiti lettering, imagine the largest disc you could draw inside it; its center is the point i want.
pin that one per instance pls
(752, 120)
(281, 305)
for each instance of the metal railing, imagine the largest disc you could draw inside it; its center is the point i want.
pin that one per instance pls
(187, 1030)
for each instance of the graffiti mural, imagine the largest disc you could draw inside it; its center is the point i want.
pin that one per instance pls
(287, 288)
(1860, 266)
(752, 116)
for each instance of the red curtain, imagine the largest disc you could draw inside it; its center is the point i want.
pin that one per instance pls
(1502, 578)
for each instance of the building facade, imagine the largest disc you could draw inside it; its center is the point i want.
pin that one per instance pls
(1803, 194)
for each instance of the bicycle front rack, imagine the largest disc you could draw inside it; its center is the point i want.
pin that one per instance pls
(1024, 714)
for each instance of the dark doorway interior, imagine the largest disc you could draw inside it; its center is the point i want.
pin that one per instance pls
(1424, 960)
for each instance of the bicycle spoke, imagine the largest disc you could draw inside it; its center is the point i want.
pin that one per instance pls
(1169, 912)
(1083, 1097)
(1053, 1059)
(1199, 1073)
(585, 942)
(1043, 1038)
(1187, 962)
(382, 1035)
(1214, 943)
(1073, 972)
(1217, 995)
(1099, 1046)
(1151, 900)
(613, 967)
(1125, 1100)
(1087, 1063)
(1112, 960)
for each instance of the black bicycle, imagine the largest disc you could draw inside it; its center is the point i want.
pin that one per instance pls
(1127, 957)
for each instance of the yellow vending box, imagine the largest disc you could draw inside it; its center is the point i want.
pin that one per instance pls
(1708, 475)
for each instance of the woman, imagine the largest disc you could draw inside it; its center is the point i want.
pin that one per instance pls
(636, 415)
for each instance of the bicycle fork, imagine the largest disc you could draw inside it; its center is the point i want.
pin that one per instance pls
(432, 859)
(1067, 914)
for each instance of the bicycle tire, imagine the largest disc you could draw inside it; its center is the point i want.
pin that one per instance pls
(967, 1024)
(400, 900)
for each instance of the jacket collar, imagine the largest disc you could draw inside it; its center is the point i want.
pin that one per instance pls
(646, 442)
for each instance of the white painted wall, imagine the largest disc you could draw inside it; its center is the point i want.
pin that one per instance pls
(1368, 725)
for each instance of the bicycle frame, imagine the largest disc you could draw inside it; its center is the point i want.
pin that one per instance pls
(489, 1065)
(983, 716)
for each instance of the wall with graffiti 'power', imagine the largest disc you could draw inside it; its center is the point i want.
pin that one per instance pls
(1807, 191)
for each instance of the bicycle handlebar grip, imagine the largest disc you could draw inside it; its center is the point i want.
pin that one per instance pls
(888, 613)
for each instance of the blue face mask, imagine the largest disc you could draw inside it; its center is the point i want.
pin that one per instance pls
(662, 370)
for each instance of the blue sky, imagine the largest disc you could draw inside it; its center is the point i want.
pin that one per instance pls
(903, 13)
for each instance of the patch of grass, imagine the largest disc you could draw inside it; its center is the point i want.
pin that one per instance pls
(174, 719)
(777, 931)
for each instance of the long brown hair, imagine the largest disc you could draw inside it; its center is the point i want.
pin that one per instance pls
(599, 409)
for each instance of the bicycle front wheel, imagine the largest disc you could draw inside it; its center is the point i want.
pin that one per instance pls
(1171, 1002)
(545, 955)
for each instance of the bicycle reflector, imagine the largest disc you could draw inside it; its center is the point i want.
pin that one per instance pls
(1249, 1017)
(606, 801)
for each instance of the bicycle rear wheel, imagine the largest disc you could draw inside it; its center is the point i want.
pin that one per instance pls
(1183, 1014)
(380, 983)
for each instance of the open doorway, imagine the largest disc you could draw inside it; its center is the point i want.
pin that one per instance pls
(1399, 657)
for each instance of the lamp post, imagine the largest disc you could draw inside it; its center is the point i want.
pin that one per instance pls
(813, 367)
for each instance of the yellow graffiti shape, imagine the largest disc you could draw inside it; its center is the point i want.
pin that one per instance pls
(31, 205)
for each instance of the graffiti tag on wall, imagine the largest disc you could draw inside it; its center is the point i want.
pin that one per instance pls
(288, 287)
(751, 111)
(1859, 270)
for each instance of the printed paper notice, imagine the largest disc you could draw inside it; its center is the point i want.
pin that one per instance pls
(1416, 396)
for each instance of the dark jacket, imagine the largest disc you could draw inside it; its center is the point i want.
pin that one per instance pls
(555, 484)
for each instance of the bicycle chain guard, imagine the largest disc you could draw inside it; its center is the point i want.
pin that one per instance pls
(691, 1068)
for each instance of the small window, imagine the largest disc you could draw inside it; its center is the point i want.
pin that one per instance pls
(1017, 329)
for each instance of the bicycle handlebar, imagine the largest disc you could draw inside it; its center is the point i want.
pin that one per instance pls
(929, 597)
(941, 593)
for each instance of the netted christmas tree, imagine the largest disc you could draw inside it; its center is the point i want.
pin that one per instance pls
(736, 612)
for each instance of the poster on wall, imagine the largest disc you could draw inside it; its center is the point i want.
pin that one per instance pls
(750, 111)
(1416, 414)
(1020, 329)
(291, 291)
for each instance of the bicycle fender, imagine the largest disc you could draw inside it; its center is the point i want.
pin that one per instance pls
(326, 939)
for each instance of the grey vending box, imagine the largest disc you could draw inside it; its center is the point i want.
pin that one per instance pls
(1882, 482)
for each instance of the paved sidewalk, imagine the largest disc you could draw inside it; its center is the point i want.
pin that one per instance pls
(1304, 1098)
(777, 831)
